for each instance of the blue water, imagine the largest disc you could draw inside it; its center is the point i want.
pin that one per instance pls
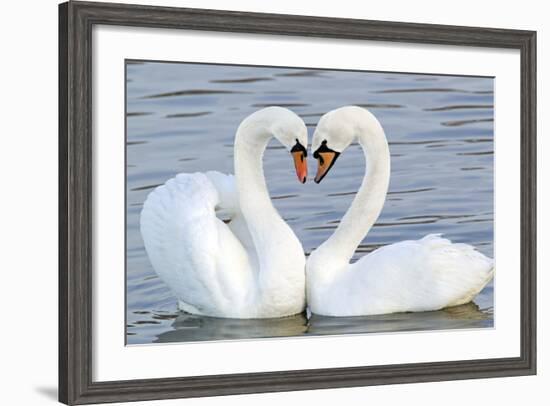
(183, 117)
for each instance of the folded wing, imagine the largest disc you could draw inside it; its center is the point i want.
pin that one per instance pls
(193, 251)
(414, 275)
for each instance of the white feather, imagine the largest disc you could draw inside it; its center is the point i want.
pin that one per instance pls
(189, 247)
(229, 270)
(409, 276)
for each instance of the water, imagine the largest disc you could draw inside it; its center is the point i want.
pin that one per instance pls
(183, 117)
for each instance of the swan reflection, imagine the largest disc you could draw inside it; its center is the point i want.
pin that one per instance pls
(467, 315)
(190, 327)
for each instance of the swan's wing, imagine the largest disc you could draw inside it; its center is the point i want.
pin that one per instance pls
(229, 211)
(193, 251)
(460, 270)
(426, 274)
(227, 205)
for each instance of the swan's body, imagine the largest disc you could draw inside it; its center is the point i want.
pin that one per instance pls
(426, 274)
(252, 267)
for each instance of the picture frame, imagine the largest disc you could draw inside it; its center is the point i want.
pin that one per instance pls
(76, 352)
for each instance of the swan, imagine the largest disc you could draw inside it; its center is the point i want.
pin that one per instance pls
(409, 276)
(254, 265)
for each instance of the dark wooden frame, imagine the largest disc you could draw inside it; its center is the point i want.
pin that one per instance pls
(76, 20)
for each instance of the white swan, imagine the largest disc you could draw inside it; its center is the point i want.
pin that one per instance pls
(427, 274)
(252, 267)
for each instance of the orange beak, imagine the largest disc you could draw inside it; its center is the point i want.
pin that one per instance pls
(325, 160)
(300, 163)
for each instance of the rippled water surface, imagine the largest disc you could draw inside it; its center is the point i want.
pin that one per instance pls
(183, 117)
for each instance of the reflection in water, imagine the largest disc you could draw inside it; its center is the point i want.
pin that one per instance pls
(464, 316)
(183, 117)
(189, 327)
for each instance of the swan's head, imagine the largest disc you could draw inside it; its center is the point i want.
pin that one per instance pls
(335, 131)
(289, 129)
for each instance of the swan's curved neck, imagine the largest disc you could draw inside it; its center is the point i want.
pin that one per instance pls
(250, 143)
(370, 198)
(269, 232)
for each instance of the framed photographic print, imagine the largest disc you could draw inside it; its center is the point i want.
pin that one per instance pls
(259, 202)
